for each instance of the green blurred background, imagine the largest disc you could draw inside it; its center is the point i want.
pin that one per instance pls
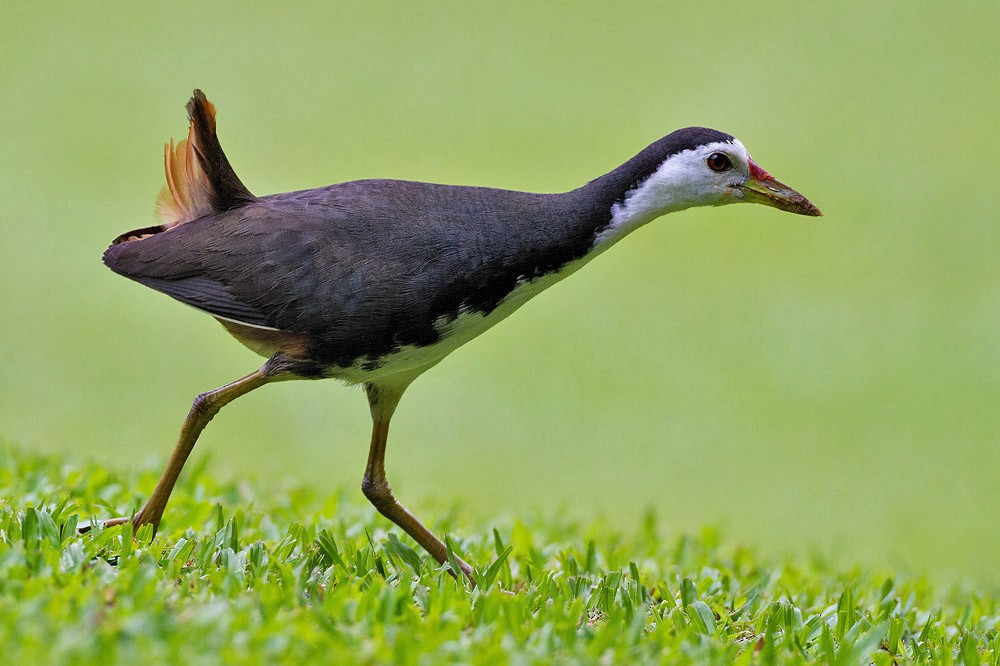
(808, 385)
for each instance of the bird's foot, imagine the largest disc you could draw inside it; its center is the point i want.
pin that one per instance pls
(86, 526)
(138, 520)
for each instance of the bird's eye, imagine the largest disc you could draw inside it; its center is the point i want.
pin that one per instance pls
(719, 162)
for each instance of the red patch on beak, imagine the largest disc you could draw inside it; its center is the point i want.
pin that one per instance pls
(759, 174)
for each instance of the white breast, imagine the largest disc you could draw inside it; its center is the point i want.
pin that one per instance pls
(411, 360)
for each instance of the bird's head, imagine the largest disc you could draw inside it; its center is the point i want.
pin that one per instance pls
(697, 166)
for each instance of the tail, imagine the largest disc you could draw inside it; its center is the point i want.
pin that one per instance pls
(200, 180)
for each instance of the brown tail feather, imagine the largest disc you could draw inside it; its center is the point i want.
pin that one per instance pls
(200, 180)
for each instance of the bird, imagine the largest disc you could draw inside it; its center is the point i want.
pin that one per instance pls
(373, 282)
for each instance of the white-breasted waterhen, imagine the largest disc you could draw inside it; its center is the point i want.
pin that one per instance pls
(373, 282)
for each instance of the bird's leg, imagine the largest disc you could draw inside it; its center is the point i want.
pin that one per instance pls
(204, 408)
(383, 400)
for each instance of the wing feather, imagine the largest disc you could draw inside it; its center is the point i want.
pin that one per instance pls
(209, 296)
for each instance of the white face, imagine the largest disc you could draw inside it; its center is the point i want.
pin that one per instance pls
(705, 176)
(710, 175)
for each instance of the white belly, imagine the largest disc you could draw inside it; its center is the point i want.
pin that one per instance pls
(411, 360)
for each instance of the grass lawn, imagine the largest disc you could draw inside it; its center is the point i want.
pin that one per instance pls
(236, 576)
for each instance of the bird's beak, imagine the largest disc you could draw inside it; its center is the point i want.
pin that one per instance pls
(761, 187)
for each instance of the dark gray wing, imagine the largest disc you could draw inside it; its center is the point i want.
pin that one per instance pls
(209, 295)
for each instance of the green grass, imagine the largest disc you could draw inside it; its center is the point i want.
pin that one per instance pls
(290, 575)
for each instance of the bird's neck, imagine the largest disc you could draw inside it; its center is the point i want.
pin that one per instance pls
(624, 199)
